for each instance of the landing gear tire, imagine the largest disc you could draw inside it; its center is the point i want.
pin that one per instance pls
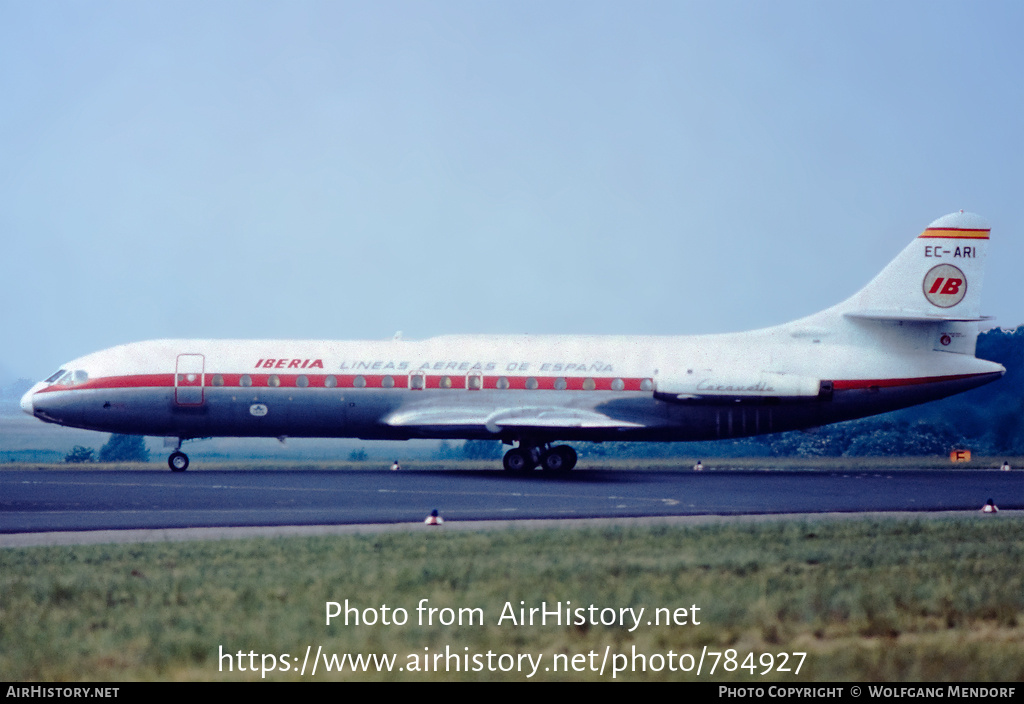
(570, 456)
(178, 461)
(558, 459)
(518, 460)
(553, 461)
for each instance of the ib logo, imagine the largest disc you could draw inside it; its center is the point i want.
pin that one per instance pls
(945, 286)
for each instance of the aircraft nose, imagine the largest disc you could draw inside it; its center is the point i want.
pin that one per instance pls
(26, 402)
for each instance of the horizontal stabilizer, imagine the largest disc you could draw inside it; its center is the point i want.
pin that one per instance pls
(913, 316)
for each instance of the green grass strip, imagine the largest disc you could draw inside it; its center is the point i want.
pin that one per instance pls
(928, 599)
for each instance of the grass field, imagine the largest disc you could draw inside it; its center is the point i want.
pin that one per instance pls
(924, 599)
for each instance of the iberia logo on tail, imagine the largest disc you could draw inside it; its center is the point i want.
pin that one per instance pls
(945, 285)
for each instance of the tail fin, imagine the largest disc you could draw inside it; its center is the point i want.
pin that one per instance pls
(937, 277)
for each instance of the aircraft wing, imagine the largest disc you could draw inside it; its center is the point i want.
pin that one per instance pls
(546, 417)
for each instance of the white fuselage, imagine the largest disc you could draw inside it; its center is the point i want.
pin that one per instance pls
(546, 387)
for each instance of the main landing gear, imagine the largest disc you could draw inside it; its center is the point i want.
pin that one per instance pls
(560, 458)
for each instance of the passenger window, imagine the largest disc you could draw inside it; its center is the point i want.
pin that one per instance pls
(618, 385)
(359, 382)
(474, 382)
(301, 381)
(388, 382)
(531, 383)
(273, 380)
(647, 385)
(218, 380)
(560, 384)
(330, 382)
(502, 382)
(416, 381)
(446, 382)
(246, 380)
(589, 384)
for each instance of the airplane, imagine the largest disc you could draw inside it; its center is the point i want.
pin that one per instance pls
(906, 338)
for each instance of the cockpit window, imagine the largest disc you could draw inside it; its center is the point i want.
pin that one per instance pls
(66, 378)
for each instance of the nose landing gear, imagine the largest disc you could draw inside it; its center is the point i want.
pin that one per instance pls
(178, 461)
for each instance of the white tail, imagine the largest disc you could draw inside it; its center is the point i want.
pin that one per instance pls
(938, 277)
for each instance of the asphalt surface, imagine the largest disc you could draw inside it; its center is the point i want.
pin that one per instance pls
(47, 500)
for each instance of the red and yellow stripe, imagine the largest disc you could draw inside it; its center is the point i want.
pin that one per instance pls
(956, 233)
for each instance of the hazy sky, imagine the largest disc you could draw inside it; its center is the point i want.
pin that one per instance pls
(349, 169)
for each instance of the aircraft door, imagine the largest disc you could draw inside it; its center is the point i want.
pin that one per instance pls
(189, 380)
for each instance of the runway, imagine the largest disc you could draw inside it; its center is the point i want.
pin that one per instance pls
(45, 500)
